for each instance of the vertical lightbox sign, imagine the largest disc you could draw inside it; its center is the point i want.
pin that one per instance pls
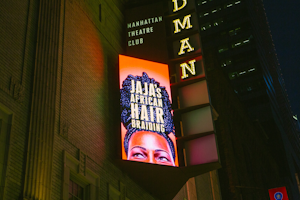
(147, 128)
(187, 66)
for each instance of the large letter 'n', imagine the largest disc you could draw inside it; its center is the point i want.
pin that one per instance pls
(191, 68)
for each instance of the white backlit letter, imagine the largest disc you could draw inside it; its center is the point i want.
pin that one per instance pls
(185, 45)
(134, 111)
(185, 25)
(144, 114)
(184, 2)
(191, 68)
(159, 115)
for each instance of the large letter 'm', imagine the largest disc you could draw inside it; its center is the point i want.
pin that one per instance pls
(176, 5)
(185, 45)
(191, 68)
(186, 23)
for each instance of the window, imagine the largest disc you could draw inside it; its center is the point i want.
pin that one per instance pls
(206, 26)
(236, 44)
(232, 3)
(241, 42)
(234, 31)
(251, 69)
(76, 192)
(247, 71)
(226, 62)
(218, 22)
(114, 194)
(228, 5)
(232, 75)
(204, 14)
(214, 10)
(222, 48)
(203, 2)
(79, 182)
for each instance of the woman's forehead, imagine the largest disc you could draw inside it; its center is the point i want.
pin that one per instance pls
(148, 140)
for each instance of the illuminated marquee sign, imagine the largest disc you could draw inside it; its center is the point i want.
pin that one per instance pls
(147, 131)
(189, 43)
(194, 109)
(147, 128)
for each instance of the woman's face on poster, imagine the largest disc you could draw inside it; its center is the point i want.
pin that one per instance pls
(150, 147)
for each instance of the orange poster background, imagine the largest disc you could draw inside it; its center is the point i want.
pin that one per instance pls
(158, 71)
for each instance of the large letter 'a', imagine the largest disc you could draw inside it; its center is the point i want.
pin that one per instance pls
(185, 45)
(184, 2)
(191, 68)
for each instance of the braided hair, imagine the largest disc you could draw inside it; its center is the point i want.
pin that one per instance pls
(126, 118)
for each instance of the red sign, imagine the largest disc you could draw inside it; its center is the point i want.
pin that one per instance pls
(278, 193)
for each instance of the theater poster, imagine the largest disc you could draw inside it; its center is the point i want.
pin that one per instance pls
(147, 128)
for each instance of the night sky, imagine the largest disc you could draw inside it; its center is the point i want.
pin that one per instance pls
(284, 22)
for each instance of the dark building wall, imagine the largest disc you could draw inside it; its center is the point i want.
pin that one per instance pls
(73, 45)
(241, 41)
(17, 53)
(248, 168)
(90, 52)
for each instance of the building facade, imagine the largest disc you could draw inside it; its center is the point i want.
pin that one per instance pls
(237, 40)
(59, 91)
(56, 123)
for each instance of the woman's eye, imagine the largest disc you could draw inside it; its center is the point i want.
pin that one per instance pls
(163, 159)
(138, 155)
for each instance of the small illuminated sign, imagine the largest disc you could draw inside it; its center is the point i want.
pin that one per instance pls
(278, 194)
(145, 32)
(147, 130)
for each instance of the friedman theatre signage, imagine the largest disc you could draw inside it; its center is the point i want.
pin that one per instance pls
(147, 132)
(193, 102)
(154, 36)
(147, 127)
(183, 27)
